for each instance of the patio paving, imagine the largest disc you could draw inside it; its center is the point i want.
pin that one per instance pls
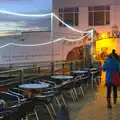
(90, 107)
(93, 106)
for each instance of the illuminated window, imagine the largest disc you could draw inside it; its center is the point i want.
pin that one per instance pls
(99, 15)
(70, 16)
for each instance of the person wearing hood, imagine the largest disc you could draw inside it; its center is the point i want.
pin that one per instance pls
(110, 67)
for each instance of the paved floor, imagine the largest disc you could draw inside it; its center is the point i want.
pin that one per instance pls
(93, 107)
(90, 107)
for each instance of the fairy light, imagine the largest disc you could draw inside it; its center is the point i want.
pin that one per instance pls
(68, 25)
(78, 39)
(42, 15)
(45, 15)
(25, 15)
(5, 45)
(33, 45)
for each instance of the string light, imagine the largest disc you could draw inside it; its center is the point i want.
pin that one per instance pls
(25, 15)
(72, 40)
(42, 15)
(45, 15)
(68, 25)
(33, 45)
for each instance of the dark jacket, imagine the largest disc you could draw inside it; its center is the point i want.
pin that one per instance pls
(110, 66)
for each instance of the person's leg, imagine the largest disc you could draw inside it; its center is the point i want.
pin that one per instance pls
(115, 94)
(109, 96)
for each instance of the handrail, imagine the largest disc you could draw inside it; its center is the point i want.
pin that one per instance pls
(26, 68)
(50, 68)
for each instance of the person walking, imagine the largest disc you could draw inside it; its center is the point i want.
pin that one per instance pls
(114, 54)
(110, 67)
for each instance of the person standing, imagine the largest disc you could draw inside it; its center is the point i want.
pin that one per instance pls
(110, 67)
(114, 54)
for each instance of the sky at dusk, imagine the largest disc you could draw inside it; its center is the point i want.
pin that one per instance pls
(11, 23)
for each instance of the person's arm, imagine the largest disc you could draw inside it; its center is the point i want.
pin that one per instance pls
(105, 66)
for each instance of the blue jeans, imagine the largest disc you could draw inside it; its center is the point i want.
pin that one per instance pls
(109, 90)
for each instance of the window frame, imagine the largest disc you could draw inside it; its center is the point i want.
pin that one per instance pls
(75, 10)
(105, 9)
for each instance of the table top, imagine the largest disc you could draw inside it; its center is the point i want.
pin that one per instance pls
(34, 86)
(79, 71)
(62, 77)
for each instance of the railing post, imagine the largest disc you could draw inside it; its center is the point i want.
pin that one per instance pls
(52, 68)
(10, 67)
(71, 66)
(35, 67)
(21, 76)
(39, 70)
(63, 68)
(76, 64)
(82, 62)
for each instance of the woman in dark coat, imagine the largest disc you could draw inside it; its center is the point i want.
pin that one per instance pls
(110, 66)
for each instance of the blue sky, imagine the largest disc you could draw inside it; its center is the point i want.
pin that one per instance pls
(13, 23)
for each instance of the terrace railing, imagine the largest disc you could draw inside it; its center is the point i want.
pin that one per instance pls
(19, 74)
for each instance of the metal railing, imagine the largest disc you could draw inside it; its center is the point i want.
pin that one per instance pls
(20, 75)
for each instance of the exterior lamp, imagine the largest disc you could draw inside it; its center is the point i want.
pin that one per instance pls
(104, 36)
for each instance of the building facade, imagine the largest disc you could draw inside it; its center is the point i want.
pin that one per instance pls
(101, 15)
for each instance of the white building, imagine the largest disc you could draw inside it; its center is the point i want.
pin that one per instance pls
(85, 14)
(39, 49)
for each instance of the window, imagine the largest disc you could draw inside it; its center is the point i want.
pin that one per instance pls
(99, 15)
(70, 16)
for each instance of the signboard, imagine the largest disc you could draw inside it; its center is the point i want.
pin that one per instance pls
(115, 34)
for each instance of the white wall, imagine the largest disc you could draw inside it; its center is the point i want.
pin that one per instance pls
(22, 54)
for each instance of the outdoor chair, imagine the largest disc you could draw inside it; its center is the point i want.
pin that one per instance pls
(45, 99)
(53, 89)
(9, 98)
(68, 87)
(19, 92)
(27, 108)
(8, 114)
(13, 100)
(57, 90)
(95, 78)
(79, 83)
